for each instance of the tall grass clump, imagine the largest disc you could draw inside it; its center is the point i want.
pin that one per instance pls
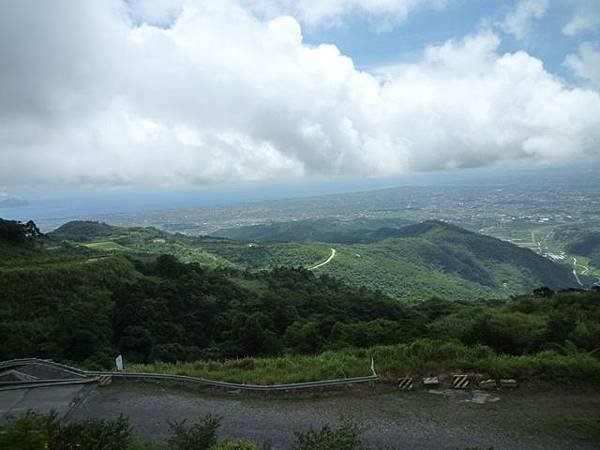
(283, 369)
(420, 357)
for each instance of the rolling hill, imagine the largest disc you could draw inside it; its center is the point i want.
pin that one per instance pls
(577, 244)
(586, 243)
(322, 230)
(435, 258)
(416, 261)
(83, 230)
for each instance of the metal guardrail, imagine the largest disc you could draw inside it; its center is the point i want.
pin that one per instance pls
(45, 383)
(241, 386)
(141, 376)
(42, 362)
(21, 361)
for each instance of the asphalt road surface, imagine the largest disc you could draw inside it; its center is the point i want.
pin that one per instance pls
(62, 399)
(415, 420)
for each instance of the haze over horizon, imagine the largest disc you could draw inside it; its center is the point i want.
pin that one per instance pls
(160, 94)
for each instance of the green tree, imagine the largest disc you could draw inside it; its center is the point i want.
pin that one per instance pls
(302, 336)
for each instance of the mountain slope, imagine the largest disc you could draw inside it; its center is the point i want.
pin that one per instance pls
(434, 258)
(588, 245)
(416, 261)
(136, 241)
(322, 230)
(82, 230)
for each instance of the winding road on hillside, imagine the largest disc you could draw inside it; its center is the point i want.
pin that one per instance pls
(585, 268)
(542, 248)
(327, 261)
(575, 271)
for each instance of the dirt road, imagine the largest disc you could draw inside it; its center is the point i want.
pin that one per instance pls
(327, 261)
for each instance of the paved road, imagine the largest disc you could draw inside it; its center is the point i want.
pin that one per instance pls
(327, 261)
(60, 398)
(415, 421)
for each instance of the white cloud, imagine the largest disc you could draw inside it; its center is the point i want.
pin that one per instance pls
(586, 17)
(518, 22)
(586, 63)
(222, 95)
(469, 106)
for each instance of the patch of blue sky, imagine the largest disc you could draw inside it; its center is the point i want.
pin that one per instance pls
(362, 38)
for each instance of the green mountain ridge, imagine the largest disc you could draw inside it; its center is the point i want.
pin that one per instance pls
(82, 230)
(417, 261)
(435, 258)
(323, 230)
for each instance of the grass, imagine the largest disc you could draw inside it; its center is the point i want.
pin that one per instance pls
(148, 241)
(106, 246)
(422, 357)
(265, 371)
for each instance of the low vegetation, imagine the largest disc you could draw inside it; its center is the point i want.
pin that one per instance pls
(35, 431)
(421, 357)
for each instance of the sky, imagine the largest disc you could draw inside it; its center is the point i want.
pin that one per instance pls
(164, 94)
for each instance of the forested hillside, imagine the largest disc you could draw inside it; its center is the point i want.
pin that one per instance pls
(83, 231)
(323, 230)
(413, 262)
(587, 245)
(87, 308)
(436, 258)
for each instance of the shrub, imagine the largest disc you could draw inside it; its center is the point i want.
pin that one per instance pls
(199, 436)
(35, 431)
(346, 437)
(242, 444)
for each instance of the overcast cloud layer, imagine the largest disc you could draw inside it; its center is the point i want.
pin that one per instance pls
(91, 95)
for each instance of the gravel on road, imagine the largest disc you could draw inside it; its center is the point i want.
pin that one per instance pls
(402, 420)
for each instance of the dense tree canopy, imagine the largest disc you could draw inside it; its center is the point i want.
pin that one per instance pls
(14, 232)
